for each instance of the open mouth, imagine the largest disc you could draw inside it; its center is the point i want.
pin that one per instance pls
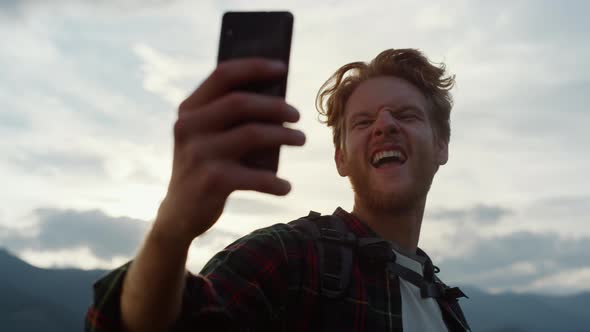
(392, 157)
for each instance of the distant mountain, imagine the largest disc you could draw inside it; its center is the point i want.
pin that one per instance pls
(34, 299)
(20, 311)
(526, 312)
(52, 300)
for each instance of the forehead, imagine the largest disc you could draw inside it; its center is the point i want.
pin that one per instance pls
(381, 91)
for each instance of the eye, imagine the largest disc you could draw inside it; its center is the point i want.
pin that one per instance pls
(408, 116)
(362, 123)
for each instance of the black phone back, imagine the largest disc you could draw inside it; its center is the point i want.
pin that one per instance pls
(258, 34)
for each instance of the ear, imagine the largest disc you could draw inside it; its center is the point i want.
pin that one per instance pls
(340, 160)
(442, 152)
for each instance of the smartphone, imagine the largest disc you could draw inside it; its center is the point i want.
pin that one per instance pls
(258, 34)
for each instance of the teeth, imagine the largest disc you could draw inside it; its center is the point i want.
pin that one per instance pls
(380, 155)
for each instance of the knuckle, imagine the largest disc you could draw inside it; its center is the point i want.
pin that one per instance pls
(212, 177)
(279, 104)
(189, 155)
(265, 182)
(237, 99)
(253, 133)
(197, 153)
(269, 183)
(186, 125)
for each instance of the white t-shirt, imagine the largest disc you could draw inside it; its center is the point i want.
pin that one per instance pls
(418, 314)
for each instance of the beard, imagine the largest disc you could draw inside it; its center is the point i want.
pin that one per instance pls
(389, 202)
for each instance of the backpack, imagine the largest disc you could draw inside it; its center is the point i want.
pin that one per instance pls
(333, 239)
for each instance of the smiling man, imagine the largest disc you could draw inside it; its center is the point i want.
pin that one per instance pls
(357, 271)
(391, 133)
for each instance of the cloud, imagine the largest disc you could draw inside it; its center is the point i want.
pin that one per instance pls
(553, 109)
(520, 261)
(91, 238)
(88, 88)
(22, 7)
(480, 213)
(569, 281)
(243, 205)
(164, 76)
(558, 22)
(81, 258)
(105, 236)
(9, 5)
(558, 206)
(50, 163)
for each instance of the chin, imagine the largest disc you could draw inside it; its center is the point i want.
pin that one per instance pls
(399, 192)
(379, 200)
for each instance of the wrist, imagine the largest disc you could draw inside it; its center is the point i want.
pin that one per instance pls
(167, 239)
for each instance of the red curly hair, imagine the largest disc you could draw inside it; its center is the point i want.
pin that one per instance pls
(408, 64)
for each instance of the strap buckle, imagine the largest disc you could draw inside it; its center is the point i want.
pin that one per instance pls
(434, 290)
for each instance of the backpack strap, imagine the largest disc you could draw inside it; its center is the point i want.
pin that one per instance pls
(431, 286)
(335, 246)
(450, 305)
(447, 297)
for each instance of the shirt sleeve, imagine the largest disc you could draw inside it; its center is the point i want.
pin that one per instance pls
(104, 313)
(243, 287)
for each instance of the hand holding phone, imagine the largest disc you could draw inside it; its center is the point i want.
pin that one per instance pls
(206, 169)
(227, 138)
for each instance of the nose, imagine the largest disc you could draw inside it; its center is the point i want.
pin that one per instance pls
(386, 123)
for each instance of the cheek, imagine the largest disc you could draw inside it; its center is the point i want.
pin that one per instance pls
(356, 144)
(422, 136)
(422, 150)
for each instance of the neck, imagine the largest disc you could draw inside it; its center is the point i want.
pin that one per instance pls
(400, 225)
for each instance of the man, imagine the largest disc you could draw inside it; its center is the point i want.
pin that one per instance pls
(390, 122)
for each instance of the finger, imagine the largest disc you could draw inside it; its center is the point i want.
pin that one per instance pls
(253, 136)
(234, 109)
(240, 107)
(218, 179)
(233, 144)
(230, 74)
(243, 178)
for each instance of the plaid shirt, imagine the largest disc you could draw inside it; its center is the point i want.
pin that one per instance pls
(268, 281)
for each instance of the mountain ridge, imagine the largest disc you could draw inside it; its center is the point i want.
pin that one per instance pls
(35, 299)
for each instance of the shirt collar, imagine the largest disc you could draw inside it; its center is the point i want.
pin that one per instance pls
(354, 224)
(361, 229)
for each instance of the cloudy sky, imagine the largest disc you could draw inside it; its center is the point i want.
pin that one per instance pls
(89, 91)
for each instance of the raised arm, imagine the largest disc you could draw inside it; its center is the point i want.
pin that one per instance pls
(215, 127)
